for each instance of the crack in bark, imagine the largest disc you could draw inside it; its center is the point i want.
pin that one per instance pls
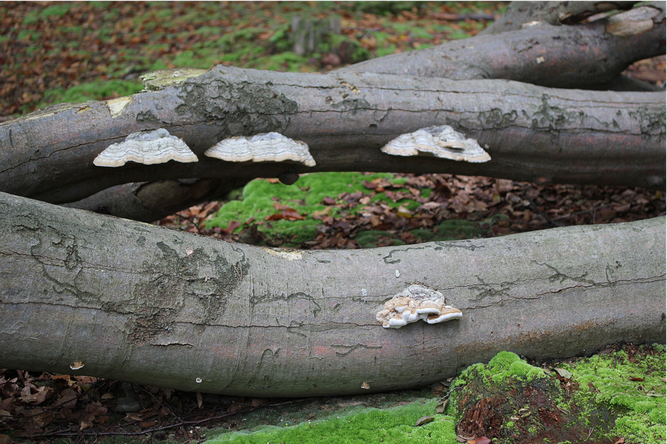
(352, 348)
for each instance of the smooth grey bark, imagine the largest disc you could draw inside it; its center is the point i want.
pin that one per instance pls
(149, 305)
(150, 201)
(584, 56)
(518, 13)
(532, 133)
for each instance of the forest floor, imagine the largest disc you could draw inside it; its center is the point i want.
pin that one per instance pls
(72, 52)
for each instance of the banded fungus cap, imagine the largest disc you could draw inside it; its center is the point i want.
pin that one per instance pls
(148, 148)
(439, 141)
(265, 147)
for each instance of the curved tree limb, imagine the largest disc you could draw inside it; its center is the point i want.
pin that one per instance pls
(532, 133)
(551, 12)
(585, 56)
(148, 305)
(150, 201)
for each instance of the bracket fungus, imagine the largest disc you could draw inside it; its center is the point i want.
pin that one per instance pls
(147, 147)
(414, 303)
(265, 147)
(438, 141)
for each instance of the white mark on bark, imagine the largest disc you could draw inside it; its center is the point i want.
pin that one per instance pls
(290, 255)
(116, 106)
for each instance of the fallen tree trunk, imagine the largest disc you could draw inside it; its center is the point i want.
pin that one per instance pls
(532, 133)
(143, 304)
(151, 201)
(583, 56)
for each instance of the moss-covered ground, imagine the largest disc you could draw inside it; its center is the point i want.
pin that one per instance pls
(387, 423)
(78, 51)
(337, 197)
(617, 396)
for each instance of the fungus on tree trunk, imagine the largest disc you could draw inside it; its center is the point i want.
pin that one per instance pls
(414, 303)
(148, 148)
(439, 141)
(265, 147)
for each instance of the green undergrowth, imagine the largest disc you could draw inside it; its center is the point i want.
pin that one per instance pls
(260, 196)
(93, 91)
(634, 389)
(164, 35)
(357, 425)
(607, 397)
(261, 199)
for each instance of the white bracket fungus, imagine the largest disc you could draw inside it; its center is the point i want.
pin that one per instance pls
(414, 303)
(438, 141)
(77, 365)
(266, 147)
(148, 148)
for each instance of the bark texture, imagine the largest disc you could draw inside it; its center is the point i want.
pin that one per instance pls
(584, 56)
(553, 13)
(151, 201)
(149, 305)
(532, 133)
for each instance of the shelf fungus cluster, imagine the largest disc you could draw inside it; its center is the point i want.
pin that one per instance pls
(414, 303)
(438, 141)
(268, 147)
(148, 148)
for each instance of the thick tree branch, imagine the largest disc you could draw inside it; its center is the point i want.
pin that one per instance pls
(584, 56)
(148, 202)
(552, 13)
(149, 305)
(532, 133)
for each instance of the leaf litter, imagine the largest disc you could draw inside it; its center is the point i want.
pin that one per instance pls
(43, 65)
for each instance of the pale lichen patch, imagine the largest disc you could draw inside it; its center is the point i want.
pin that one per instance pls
(290, 255)
(116, 106)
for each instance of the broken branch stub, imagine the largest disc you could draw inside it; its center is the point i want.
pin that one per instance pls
(265, 147)
(414, 303)
(439, 141)
(148, 148)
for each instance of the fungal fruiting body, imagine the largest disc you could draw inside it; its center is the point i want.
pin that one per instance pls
(266, 147)
(414, 303)
(438, 141)
(147, 147)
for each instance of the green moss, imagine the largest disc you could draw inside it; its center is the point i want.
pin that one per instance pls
(360, 425)
(633, 389)
(101, 90)
(57, 10)
(31, 18)
(260, 196)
